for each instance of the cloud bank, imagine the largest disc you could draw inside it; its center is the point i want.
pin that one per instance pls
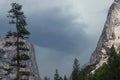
(60, 29)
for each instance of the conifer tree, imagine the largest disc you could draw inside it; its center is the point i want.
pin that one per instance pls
(16, 16)
(109, 70)
(57, 76)
(60, 78)
(65, 78)
(46, 78)
(114, 63)
(76, 70)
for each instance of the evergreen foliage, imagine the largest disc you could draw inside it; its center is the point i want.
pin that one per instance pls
(46, 78)
(65, 78)
(57, 76)
(17, 18)
(109, 71)
(76, 70)
(85, 72)
(101, 73)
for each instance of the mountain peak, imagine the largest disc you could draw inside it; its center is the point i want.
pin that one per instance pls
(110, 35)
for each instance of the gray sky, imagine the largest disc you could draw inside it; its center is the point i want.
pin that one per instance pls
(60, 30)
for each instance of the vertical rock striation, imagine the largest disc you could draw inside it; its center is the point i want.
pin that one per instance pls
(110, 35)
(8, 72)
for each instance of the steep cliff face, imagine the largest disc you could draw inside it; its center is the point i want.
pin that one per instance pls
(8, 72)
(110, 35)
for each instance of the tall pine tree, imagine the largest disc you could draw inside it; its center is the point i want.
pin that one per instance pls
(76, 70)
(46, 78)
(57, 76)
(17, 18)
(65, 78)
(114, 64)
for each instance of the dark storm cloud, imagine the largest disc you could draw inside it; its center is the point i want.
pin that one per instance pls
(54, 30)
(58, 37)
(4, 26)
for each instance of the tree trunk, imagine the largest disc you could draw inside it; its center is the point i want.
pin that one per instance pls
(18, 54)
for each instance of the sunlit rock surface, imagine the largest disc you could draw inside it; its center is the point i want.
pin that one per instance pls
(110, 36)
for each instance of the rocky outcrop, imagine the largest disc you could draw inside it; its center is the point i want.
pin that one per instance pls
(110, 35)
(8, 72)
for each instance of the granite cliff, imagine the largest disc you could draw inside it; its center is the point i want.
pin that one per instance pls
(6, 55)
(110, 36)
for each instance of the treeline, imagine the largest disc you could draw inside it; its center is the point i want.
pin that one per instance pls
(108, 71)
(57, 76)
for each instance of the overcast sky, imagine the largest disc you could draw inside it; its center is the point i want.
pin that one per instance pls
(60, 30)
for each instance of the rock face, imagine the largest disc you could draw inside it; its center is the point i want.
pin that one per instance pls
(110, 35)
(9, 73)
